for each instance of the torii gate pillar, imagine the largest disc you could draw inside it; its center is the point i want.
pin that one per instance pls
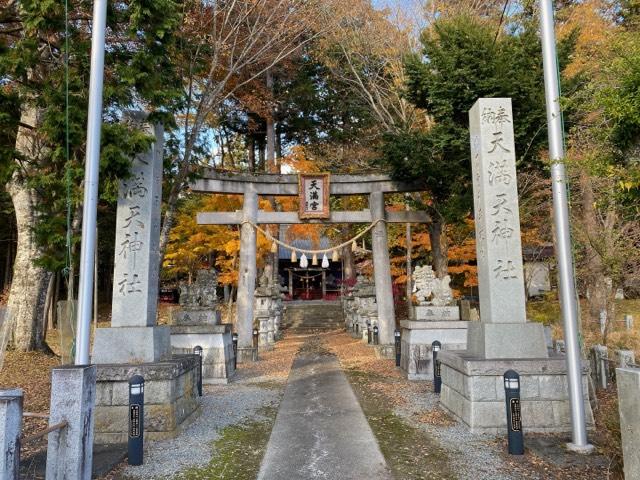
(247, 276)
(382, 270)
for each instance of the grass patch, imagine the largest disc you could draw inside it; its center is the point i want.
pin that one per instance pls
(409, 452)
(238, 452)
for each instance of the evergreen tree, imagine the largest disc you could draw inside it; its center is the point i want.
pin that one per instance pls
(461, 61)
(44, 66)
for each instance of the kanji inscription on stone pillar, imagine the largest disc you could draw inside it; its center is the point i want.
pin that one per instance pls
(135, 277)
(495, 194)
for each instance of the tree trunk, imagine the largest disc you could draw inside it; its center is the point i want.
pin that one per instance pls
(348, 263)
(251, 147)
(439, 245)
(29, 286)
(262, 155)
(278, 148)
(597, 285)
(9, 259)
(409, 283)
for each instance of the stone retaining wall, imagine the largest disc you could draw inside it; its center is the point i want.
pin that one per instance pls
(170, 398)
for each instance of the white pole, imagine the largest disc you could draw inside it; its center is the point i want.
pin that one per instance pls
(562, 229)
(92, 167)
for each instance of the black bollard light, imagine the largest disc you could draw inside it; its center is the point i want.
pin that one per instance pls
(437, 379)
(396, 336)
(375, 335)
(368, 332)
(255, 344)
(136, 420)
(197, 350)
(514, 412)
(234, 340)
(357, 328)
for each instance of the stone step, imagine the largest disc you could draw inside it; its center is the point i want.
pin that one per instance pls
(307, 316)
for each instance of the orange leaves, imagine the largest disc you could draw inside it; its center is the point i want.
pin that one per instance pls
(299, 161)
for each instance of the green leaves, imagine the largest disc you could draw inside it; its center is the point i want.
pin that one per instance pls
(460, 62)
(35, 67)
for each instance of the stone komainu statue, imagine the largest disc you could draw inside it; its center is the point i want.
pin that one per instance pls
(423, 283)
(429, 289)
(201, 293)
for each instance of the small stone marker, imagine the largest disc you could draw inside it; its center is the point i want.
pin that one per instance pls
(10, 431)
(503, 331)
(628, 322)
(626, 358)
(603, 321)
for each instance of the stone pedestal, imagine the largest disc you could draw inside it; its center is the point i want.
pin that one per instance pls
(416, 358)
(428, 313)
(473, 391)
(247, 354)
(205, 316)
(217, 349)
(131, 345)
(507, 340)
(170, 398)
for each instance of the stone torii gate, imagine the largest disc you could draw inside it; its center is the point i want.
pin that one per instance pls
(251, 186)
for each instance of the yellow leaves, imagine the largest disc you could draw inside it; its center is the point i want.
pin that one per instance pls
(192, 246)
(594, 31)
(627, 186)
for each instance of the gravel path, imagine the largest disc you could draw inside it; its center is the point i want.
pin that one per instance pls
(473, 456)
(220, 406)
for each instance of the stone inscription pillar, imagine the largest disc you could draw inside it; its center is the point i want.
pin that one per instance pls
(134, 336)
(247, 272)
(503, 331)
(382, 270)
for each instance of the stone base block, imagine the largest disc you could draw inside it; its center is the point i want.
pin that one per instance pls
(507, 340)
(430, 313)
(195, 317)
(473, 391)
(170, 398)
(217, 349)
(385, 351)
(628, 380)
(247, 354)
(416, 357)
(131, 345)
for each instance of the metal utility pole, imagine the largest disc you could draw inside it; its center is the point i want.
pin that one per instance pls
(92, 167)
(562, 230)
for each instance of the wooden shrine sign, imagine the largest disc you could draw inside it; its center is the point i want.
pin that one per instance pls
(313, 195)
